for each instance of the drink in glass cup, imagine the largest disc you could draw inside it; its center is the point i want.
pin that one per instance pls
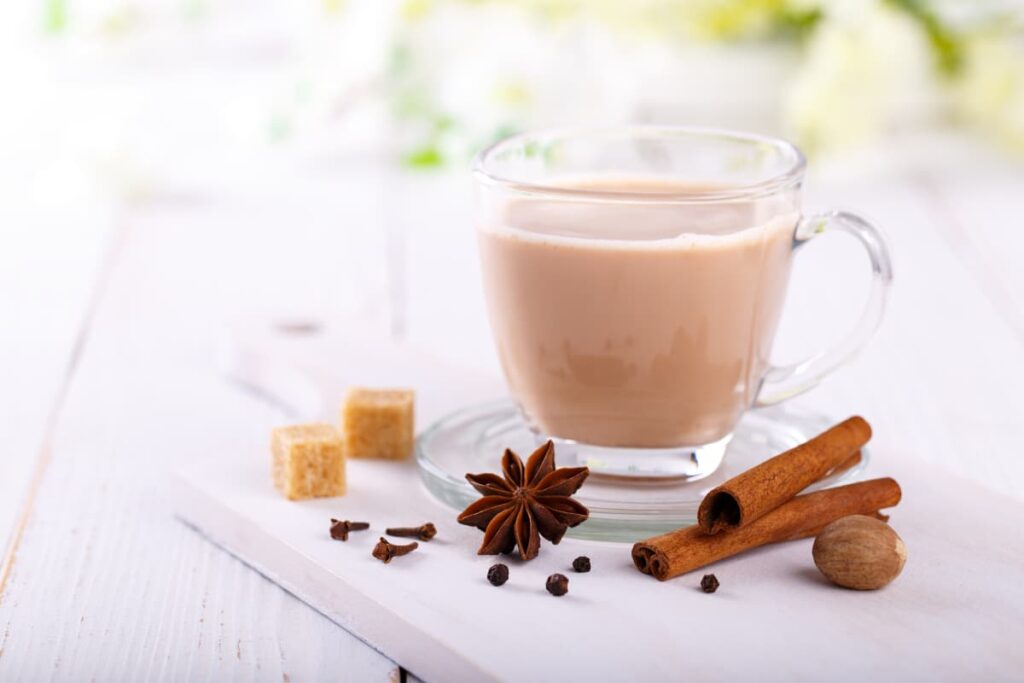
(635, 277)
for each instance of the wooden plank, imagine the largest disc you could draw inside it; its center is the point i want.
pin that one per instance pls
(53, 263)
(445, 309)
(106, 584)
(435, 612)
(980, 219)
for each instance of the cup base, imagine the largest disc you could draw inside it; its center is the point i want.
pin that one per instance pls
(683, 463)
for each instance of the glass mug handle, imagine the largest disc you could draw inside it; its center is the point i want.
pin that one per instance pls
(782, 382)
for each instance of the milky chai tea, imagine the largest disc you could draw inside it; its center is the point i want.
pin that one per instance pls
(638, 324)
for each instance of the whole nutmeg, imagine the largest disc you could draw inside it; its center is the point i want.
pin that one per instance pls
(859, 552)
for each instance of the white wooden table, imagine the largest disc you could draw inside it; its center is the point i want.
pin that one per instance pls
(111, 326)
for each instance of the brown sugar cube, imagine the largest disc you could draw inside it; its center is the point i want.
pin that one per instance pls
(308, 461)
(378, 423)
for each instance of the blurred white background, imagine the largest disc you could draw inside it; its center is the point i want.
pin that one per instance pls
(110, 104)
(132, 99)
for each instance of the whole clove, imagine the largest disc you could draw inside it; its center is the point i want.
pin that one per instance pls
(557, 584)
(385, 550)
(341, 527)
(423, 532)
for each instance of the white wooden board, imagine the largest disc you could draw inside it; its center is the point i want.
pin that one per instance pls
(955, 612)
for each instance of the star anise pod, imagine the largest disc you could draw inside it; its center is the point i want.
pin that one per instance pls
(526, 503)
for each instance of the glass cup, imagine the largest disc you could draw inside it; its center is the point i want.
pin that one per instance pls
(634, 279)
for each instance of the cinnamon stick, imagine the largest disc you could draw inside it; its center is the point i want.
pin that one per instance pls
(849, 463)
(752, 494)
(689, 548)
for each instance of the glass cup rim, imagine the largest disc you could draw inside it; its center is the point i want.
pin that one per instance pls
(791, 177)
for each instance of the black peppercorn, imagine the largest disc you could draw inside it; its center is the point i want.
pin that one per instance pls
(581, 564)
(558, 584)
(709, 584)
(497, 574)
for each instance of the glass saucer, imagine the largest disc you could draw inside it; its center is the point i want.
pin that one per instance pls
(621, 508)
